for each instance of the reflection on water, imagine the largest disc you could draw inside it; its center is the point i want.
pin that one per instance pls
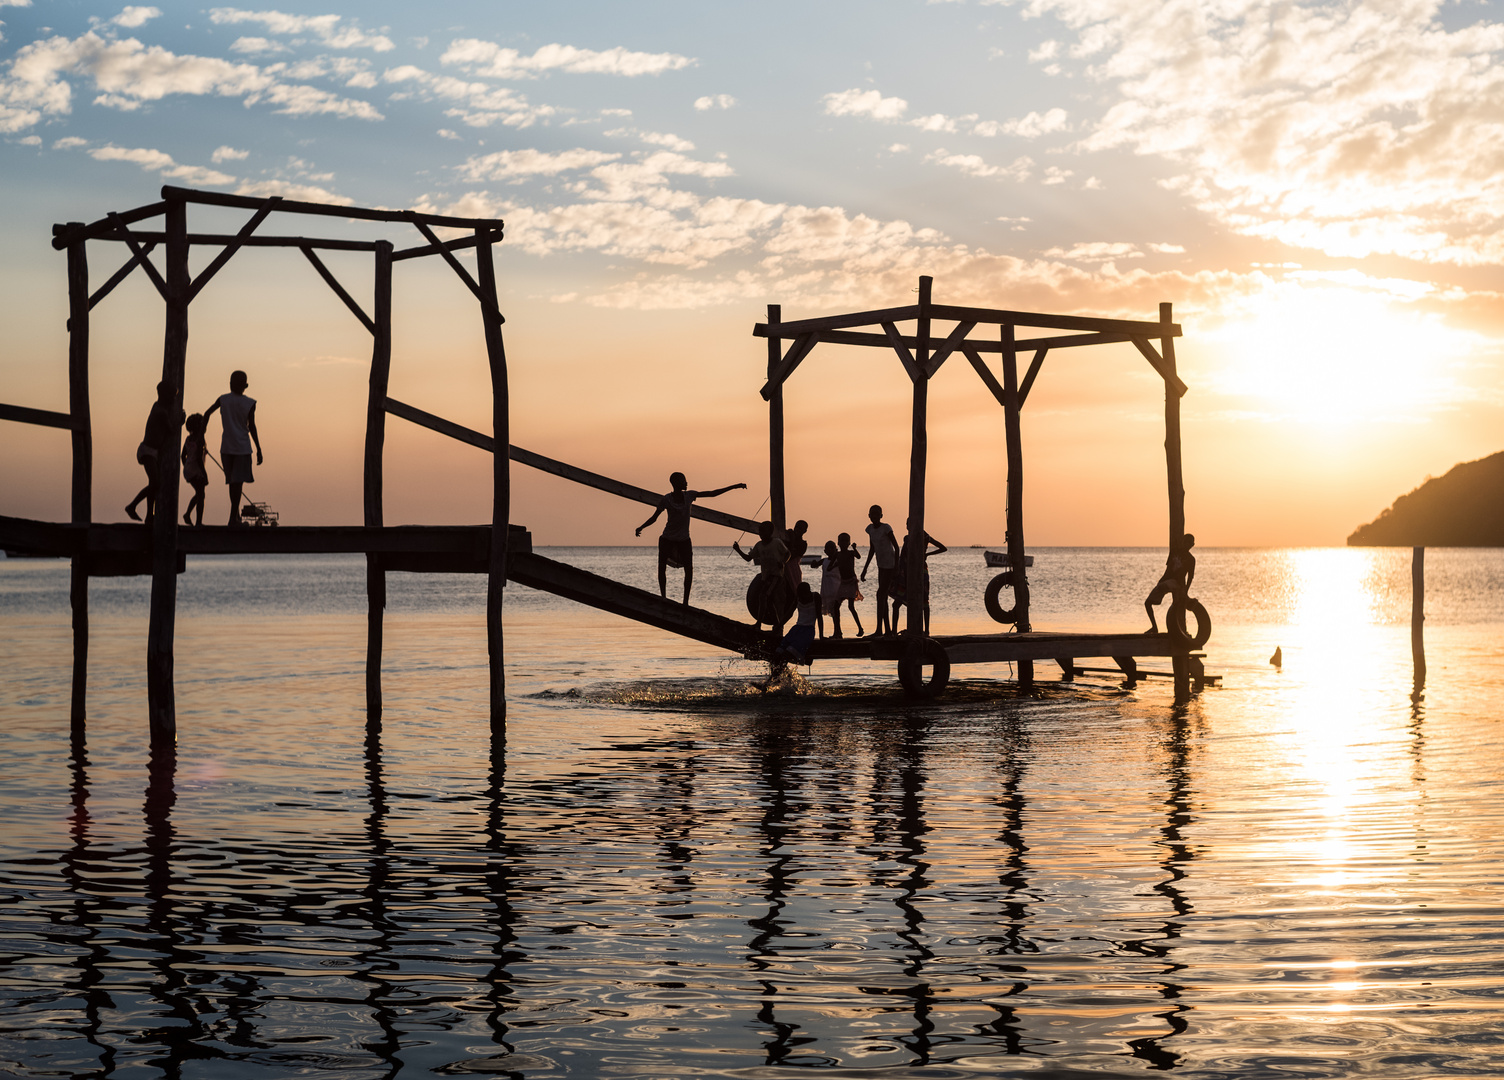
(669, 874)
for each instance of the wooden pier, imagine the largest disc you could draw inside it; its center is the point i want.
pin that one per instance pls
(923, 662)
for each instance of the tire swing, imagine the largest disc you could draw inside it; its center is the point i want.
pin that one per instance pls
(1175, 622)
(911, 671)
(770, 600)
(991, 599)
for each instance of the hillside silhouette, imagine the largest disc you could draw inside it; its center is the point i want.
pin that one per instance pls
(1464, 508)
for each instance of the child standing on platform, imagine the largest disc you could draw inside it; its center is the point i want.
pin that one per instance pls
(193, 468)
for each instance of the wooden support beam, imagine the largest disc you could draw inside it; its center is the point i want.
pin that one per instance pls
(1013, 434)
(145, 263)
(322, 243)
(1124, 328)
(778, 507)
(785, 367)
(904, 356)
(835, 322)
(1174, 389)
(381, 362)
(459, 243)
(79, 423)
(1166, 368)
(21, 414)
(74, 232)
(918, 461)
(1030, 376)
(1418, 615)
(208, 272)
(339, 290)
(980, 367)
(501, 488)
(359, 213)
(120, 275)
(161, 703)
(951, 344)
(882, 341)
(558, 468)
(454, 264)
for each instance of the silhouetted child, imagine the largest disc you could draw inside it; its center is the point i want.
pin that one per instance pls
(148, 454)
(772, 557)
(194, 470)
(883, 546)
(674, 547)
(1180, 571)
(848, 589)
(797, 546)
(238, 418)
(796, 643)
(900, 592)
(830, 586)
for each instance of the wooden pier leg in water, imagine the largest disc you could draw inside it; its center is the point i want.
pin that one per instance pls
(1418, 614)
(1175, 481)
(1013, 431)
(918, 461)
(381, 364)
(161, 705)
(778, 507)
(83, 464)
(501, 488)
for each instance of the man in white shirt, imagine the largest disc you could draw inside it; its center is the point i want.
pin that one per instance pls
(238, 422)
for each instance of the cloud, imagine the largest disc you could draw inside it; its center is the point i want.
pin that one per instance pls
(1350, 128)
(69, 142)
(289, 190)
(864, 103)
(30, 140)
(1026, 127)
(132, 17)
(654, 138)
(486, 58)
(717, 101)
(445, 133)
(505, 164)
(228, 153)
(159, 162)
(479, 104)
(331, 30)
(258, 46)
(127, 74)
(975, 165)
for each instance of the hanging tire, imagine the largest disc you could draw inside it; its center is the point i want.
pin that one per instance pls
(770, 600)
(1175, 621)
(994, 605)
(911, 671)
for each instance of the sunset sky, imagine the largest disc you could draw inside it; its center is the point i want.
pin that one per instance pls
(1316, 187)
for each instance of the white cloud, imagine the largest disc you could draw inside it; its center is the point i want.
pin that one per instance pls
(69, 142)
(159, 162)
(254, 46)
(127, 74)
(976, 165)
(506, 164)
(445, 133)
(654, 138)
(1351, 128)
(289, 190)
(331, 30)
(717, 101)
(228, 153)
(480, 104)
(132, 17)
(1096, 251)
(30, 140)
(1167, 249)
(1026, 127)
(865, 103)
(15, 3)
(486, 58)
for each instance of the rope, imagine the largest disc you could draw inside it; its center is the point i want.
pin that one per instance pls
(743, 533)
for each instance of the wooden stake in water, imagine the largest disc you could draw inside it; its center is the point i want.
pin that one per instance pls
(1418, 614)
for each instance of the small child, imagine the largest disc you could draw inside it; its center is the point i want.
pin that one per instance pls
(830, 585)
(847, 588)
(796, 643)
(193, 468)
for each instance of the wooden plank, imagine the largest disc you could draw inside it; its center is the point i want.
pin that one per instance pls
(1166, 369)
(1030, 376)
(82, 500)
(904, 356)
(359, 213)
(1053, 322)
(835, 322)
(458, 244)
(22, 414)
(145, 263)
(339, 290)
(222, 239)
(501, 469)
(208, 272)
(778, 374)
(987, 376)
(464, 275)
(119, 276)
(951, 344)
(559, 468)
(75, 233)
(1065, 341)
(381, 363)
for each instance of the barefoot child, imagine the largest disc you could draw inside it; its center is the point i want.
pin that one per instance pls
(848, 589)
(193, 468)
(830, 586)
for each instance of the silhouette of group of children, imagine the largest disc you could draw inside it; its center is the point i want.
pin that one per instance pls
(238, 423)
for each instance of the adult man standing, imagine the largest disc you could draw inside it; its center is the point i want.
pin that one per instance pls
(238, 421)
(674, 548)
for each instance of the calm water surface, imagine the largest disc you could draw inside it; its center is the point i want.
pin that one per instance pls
(670, 874)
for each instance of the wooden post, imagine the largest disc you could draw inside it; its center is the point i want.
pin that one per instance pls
(1180, 662)
(161, 706)
(1013, 433)
(1418, 614)
(83, 462)
(778, 507)
(501, 482)
(918, 459)
(381, 363)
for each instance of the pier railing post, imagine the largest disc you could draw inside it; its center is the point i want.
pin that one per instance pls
(918, 460)
(381, 363)
(1013, 436)
(161, 706)
(501, 479)
(83, 463)
(778, 508)
(1418, 614)
(1181, 660)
